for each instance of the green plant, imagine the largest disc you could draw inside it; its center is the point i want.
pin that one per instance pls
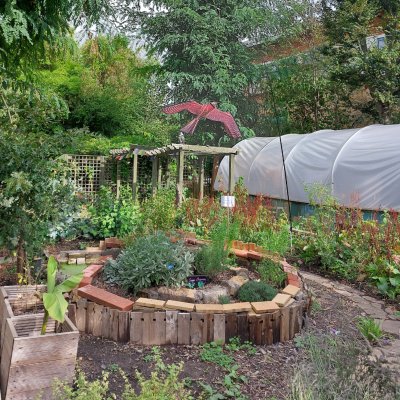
(54, 302)
(235, 344)
(111, 216)
(160, 211)
(271, 272)
(163, 384)
(369, 329)
(214, 353)
(334, 368)
(386, 276)
(224, 299)
(212, 259)
(150, 260)
(256, 291)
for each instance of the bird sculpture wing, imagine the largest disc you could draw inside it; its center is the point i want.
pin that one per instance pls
(191, 106)
(227, 120)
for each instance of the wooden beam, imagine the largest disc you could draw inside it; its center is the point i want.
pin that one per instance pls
(134, 175)
(154, 163)
(179, 178)
(201, 177)
(231, 173)
(214, 173)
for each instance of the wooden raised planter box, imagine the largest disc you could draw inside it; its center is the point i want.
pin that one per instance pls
(30, 362)
(17, 300)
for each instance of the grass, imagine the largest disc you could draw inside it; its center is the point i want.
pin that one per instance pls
(338, 369)
(369, 329)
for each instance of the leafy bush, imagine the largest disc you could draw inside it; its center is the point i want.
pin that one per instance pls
(271, 272)
(386, 276)
(160, 211)
(212, 259)
(150, 260)
(110, 216)
(256, 291)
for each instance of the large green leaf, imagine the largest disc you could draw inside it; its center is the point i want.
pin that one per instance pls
(51, 274)
(70, 283)
(55, 305)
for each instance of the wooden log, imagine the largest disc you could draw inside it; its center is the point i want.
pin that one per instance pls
(231, 329)
(285, 315)
(136, 329)
(123, 326)
(89, 317)
(81, 315)
(198, 328)
(276, 326)
(171, 327)
(148, 337)
(269, 333)
(183, 328)
(209, 318)
(219, 328)
(106, 323)
(97, 322)
(243, 327)
(253, 321)
(72, 313)
(159, 327)
(114, 323)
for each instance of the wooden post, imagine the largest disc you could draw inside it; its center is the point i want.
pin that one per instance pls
(159, 173)
(102, 162)
(134, 175)
(167, 173)
(214, 173)
(154, 168)
(231, 173)
(201, 177)
(118, 178)
(179, 180)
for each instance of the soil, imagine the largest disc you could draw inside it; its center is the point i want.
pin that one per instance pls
(76, 244)
(269, 372)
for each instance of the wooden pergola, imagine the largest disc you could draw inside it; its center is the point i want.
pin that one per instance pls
(177, 151)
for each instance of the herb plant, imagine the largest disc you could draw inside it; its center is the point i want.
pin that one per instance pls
(150, 260)
(256, 291)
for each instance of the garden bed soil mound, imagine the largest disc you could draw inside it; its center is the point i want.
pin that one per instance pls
(269, 371)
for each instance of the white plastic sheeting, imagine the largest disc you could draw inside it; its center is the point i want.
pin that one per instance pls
(360, 166)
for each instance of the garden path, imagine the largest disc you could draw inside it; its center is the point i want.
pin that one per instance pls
(387, 352)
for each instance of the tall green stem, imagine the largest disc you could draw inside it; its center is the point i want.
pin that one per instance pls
(44, 324)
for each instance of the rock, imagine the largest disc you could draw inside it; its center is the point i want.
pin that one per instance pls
(150, 293)
(179, 294)
(211, 294)
(240, 271)
(299, 296)
(235, 283)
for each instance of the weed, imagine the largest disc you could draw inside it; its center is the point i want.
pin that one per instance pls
(214, 353)
(315, 306)
(369, 329)
(113, 368)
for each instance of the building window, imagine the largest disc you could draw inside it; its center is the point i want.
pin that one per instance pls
(380, 42)
(376, 41)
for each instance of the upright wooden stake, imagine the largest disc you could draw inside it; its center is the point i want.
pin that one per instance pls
(167, 174)
(179, 181)
(159, 173)
(118, 178)
(154, 168)
(201, 177)
(214, 174)
(134, 175)
(231, 173)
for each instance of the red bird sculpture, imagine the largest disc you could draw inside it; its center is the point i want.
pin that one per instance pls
(206, 111)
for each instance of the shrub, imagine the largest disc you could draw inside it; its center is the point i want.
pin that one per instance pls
(271, 272)
(256, 291)
(150, 260)
(112, 216)
(160, 211)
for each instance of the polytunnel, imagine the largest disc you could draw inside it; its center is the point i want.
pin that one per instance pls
(360, 167)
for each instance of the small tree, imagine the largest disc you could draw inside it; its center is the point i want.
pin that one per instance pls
(34, 193)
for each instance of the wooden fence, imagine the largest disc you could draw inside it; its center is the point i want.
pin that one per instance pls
(174, 327)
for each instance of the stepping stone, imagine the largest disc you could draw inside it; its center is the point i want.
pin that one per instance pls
(281, 299)
(291, 290)
(260, 307)
(105, 298)
(179, 305)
